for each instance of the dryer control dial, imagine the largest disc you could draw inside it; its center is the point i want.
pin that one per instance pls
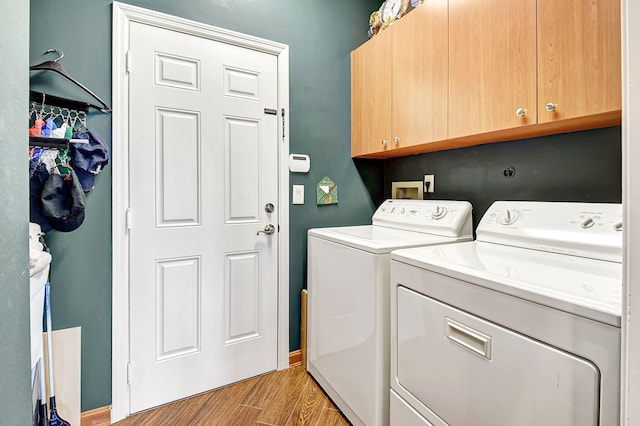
(587, 223)
(439, 213)
(509, 217)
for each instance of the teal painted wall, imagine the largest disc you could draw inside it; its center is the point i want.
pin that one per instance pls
(320, 34)
(15, 356)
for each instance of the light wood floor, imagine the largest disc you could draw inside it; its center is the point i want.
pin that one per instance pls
(288, 397)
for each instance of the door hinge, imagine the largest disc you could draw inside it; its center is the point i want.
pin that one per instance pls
(283, 124)
(128, 61)
(127, 219)
(128, 373)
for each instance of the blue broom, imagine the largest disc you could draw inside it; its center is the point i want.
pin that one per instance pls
(54, 418)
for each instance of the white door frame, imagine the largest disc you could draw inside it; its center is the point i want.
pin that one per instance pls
(123, 15)
(630, 403)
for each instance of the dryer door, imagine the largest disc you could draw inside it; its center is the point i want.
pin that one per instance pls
(468, 371)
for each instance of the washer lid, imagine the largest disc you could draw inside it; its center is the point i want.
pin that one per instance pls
(586, 287)
(379, 239)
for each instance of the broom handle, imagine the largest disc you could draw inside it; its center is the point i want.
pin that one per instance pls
(47, 310)
(42, 388)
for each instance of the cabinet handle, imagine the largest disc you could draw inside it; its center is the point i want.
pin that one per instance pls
(396, 139)
(384, 141)
(520, 112)
(550, 107)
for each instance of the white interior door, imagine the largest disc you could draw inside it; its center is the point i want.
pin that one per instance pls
(203, 166)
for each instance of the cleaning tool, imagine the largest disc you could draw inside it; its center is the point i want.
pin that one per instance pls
(42, 419)
(54, 418)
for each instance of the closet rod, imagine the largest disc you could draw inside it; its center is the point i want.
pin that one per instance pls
(44, 98)
(42, 142)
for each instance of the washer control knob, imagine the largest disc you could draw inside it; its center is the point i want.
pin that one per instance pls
(587, 223)
(618, 226)
(509, 217)
(439, 213)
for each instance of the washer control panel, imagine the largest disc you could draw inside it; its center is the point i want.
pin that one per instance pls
(581, 229)
(440, 217)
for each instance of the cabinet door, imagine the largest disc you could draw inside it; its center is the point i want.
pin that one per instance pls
(578, 58)
(420, 67)
(492, 65)
(371, 96)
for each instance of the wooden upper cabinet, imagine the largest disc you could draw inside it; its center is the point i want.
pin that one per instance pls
(399, 83)
(371, 95)
(456, 73)
(492, 65)
(420, 75)
(579, 58)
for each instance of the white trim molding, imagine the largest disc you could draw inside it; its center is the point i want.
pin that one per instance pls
(630, 392)
(123, 16)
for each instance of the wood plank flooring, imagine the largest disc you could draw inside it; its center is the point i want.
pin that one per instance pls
(282, 398)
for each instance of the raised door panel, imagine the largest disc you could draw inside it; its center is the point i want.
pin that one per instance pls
(420, 74)
(492, 65)
(578, 58)
(371, 95)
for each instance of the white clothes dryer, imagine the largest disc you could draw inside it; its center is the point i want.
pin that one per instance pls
(348, 299)
(520, 327)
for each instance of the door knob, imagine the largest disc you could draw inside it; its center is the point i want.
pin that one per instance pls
(269, 208)
(269, 229)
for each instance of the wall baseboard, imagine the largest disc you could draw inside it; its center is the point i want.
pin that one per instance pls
(295, 359)
(303, 327)
(100, 416)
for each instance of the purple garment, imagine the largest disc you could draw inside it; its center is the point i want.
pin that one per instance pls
(48, 128)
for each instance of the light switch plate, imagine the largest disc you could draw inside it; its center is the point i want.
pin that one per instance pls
(298, 194)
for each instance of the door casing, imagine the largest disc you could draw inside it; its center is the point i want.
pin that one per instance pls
(123, 15)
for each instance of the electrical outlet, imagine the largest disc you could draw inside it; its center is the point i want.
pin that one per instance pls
(429, 183)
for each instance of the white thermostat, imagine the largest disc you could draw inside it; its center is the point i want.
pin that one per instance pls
(299, 163)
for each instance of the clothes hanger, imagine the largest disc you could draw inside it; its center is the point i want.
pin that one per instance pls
(56, 67)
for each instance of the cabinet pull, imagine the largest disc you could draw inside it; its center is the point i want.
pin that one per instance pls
(550, 107)
(477, 342)
(396, 139)
(520, 112)
(384, 141)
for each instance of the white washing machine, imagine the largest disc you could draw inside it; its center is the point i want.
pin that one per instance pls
(520, 327)
(348, 300)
